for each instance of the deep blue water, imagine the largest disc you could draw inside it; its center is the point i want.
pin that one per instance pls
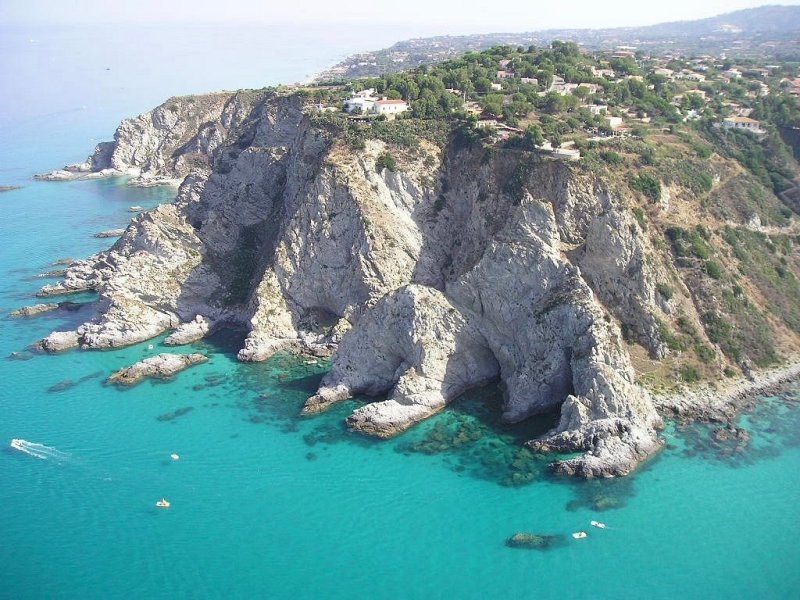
(265, 504)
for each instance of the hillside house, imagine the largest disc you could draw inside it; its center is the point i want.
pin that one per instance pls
(742, 124)
(529, 80)
(614, 122)
(605, 73)
(389, 108)
(362, 101)
(597, 109)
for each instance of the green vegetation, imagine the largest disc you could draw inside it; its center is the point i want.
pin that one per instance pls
(385, 161)
(688, 243)
(638, 213)
(762, 259)
(647, 185)
(713, 270)
(689, 374)
(704, 353)
(611, 158)
(666, 290)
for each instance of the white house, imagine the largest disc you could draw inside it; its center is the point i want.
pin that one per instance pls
(390, 108)
(496, 87)
(742, 123)
(529, 80)
(363, 100)
(597, 109)
(614, 122)
(607, 73)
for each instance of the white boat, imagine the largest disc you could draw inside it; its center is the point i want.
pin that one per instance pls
(17, 444)
(174, 456)
(598, 524)
(162, 503)
(579, 535)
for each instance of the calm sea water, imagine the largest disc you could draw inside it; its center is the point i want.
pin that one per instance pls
(268, 505)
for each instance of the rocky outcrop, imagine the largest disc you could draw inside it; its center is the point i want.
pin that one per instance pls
(166, 144)
(161, 366)
(186, 333)
(58, 341)
(458, 268)
(722, 402)
(522, 313)
(109, 233)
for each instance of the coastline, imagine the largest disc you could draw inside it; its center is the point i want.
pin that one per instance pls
(722, 401)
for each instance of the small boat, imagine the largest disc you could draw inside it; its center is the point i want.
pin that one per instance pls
(174, 456)
(579, 535)
(150, 346)
(162, 503)
(17, 444)
(598, 524)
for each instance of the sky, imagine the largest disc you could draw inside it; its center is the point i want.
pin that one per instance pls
(415, 16)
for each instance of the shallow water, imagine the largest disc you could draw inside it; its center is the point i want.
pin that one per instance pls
(266, 504)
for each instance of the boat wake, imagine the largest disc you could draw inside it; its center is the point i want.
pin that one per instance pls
(39, 451)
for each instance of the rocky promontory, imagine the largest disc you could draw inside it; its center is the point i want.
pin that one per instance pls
(461, 264)
(162, 366)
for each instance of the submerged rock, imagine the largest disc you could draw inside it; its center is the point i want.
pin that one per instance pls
(30, 311)
(161, 366)
(171, 416)
(62, 385)
(534, 541)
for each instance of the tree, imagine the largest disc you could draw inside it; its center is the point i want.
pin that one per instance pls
(533, 137)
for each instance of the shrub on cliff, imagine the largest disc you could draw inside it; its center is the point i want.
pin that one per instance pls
(647, 185)
(385, 161)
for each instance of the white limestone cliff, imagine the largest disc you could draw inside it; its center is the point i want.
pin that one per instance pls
(424, 281)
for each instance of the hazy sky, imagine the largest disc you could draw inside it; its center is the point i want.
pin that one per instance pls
(448, 16)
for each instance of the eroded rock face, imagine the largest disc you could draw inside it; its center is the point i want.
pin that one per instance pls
(523, 313)
(509, 267)
(161, 366)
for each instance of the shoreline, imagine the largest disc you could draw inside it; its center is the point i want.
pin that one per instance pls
(722, 401)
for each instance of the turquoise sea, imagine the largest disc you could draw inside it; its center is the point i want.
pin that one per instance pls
(267, 505)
